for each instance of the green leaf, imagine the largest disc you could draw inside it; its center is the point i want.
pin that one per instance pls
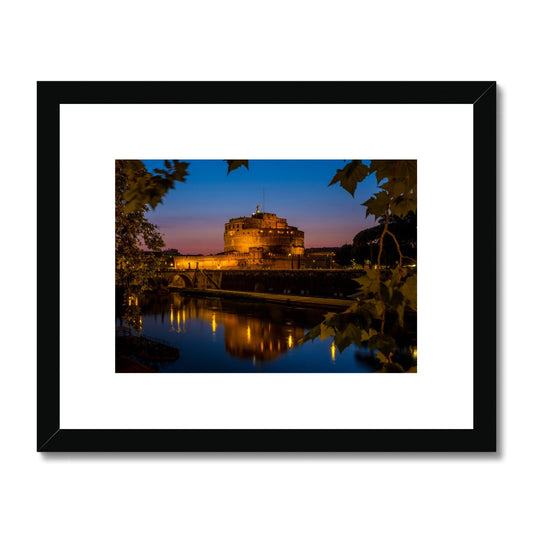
(351, 175)
(175, 171)
(347, 337)
(394, 169)
(402, 205)
(400, 309)
(384, 168)
(395, 277)
(408, 289)
(382, 342)
(372, 308)
(397, 187)
(385, 293)
(396, 298)
(377, 205)
(369, 281)
(393, 367)
(352, 334)
(326, 331)
(366, 335)
(380, 308)
(408, 170)
(311, 335)
(234, 164)
(144, 188)
(382, 358)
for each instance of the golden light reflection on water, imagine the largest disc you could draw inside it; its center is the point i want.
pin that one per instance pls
(246, 336)
(177, 329)
(254, 337)
(249, 331)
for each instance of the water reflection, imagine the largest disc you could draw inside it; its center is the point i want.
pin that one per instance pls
(220, 335)
(246, 336)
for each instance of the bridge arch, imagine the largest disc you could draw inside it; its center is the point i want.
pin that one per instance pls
(181, 281)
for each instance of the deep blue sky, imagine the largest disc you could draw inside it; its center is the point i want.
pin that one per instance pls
(193, 214)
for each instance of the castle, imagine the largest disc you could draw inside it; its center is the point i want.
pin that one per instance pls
(264, 232)
(261, 241)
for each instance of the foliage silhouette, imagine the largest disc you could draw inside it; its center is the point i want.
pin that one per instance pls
(385, 294)
(137, 189)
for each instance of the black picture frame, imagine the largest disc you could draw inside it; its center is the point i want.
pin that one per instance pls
(481, 438)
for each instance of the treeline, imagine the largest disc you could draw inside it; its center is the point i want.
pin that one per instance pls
(366, 243)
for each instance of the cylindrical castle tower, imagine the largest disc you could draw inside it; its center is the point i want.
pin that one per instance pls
(264, 231)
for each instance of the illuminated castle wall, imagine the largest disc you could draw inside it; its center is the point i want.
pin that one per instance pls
(261, 241)
(265, 232)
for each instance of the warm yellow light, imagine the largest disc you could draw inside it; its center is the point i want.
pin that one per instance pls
(290, 341)
(333, 353)
(214, 323)
(248, 334)
(171, 315)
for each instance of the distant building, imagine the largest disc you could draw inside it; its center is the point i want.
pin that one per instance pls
(264, 232)
(261, 241)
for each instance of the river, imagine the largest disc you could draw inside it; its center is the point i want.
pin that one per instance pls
(223, 335)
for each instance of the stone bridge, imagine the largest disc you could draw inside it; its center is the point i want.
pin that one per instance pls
(198, 279)
(308, 282)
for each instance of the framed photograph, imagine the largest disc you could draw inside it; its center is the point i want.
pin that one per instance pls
(266, 266)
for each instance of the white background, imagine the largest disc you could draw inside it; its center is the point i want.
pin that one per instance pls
(300, 401)
(276, 40)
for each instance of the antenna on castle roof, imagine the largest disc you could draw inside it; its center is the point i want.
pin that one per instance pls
(264, 210)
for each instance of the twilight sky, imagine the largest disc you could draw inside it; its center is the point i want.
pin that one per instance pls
(193, 214)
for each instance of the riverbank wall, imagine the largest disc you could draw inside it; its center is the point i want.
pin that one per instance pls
(322, 283)
(288, 299)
